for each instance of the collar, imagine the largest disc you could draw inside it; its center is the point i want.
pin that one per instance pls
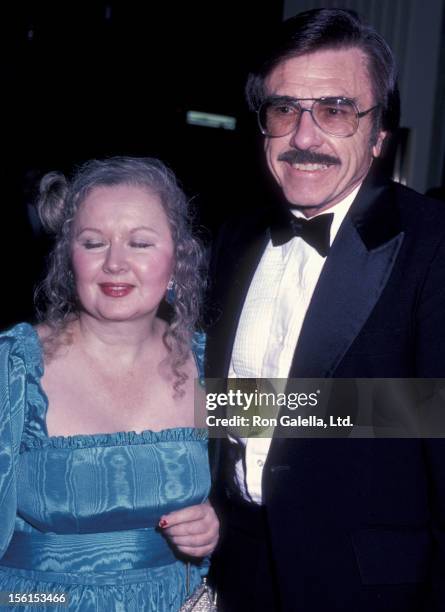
(339, 210)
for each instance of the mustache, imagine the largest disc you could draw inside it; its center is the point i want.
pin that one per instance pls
(300, 156)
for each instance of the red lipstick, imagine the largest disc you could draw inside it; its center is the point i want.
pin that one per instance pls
(116, 290)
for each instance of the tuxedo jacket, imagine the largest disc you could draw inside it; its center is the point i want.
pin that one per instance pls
(356, 525)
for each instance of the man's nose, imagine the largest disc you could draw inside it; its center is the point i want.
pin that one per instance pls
(306, 134)
(116, 259)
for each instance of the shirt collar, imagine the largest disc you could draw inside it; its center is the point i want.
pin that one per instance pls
(339, 210)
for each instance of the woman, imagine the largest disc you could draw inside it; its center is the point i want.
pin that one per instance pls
(105, 504)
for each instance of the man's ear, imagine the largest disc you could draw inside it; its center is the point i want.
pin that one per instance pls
(377, 147)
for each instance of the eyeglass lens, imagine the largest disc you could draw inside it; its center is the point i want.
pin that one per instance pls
(336, 116)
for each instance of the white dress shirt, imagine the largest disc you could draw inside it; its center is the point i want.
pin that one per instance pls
(270, 325)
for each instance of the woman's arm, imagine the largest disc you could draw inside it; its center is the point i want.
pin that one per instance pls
(12, 372)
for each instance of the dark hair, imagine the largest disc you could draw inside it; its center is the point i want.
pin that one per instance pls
(58, 203)
(330, 29)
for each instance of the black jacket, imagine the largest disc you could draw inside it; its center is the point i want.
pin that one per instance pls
(356, 525)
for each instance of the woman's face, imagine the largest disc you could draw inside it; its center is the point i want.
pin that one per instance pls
(122, 253)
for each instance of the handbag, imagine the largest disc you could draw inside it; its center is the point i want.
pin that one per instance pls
(203, 598)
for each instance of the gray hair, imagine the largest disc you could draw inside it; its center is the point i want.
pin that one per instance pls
(58, 203)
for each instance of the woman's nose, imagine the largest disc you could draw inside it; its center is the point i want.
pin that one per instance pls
(115, 260)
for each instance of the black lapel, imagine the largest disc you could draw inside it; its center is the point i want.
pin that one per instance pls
(351, 282)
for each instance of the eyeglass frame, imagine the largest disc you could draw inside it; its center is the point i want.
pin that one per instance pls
(296, 101)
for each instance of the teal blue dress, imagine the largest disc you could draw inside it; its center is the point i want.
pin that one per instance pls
(79, 514)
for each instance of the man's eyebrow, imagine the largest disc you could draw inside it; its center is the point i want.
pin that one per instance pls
(276, 98)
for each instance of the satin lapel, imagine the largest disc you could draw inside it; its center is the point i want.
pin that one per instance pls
(351, 282)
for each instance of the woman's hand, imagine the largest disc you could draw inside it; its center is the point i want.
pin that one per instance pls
(193, 530)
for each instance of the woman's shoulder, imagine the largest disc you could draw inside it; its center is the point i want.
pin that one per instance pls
(198, 340)
(43, 332)
(22, 342)
(198, 350)
(20, 333)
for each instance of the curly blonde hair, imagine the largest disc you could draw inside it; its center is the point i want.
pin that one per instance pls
(58, 203)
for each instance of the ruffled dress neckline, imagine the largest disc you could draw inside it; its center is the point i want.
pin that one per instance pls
(35, 434)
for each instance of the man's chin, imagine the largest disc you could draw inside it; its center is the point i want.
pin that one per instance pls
(307, 204)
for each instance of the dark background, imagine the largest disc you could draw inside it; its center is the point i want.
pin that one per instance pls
(101, 78)
(95, 79)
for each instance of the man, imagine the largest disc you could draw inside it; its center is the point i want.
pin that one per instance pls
(318, 525)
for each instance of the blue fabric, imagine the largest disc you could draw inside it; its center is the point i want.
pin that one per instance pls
(79, 513)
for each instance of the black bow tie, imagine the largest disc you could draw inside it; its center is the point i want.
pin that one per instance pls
(316, 232)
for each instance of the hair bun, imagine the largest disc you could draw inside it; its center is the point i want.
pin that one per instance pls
(53, 190)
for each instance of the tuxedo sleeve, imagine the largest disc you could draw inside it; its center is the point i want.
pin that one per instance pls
(430, 319)
(430, 363)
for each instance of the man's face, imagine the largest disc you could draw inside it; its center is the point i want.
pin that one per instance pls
(318, 185)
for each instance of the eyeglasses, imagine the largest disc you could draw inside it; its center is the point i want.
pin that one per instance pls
(281, 115)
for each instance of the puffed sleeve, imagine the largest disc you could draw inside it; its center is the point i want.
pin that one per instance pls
(12, 402)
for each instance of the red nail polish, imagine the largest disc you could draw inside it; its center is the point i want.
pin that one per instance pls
(163, 523)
